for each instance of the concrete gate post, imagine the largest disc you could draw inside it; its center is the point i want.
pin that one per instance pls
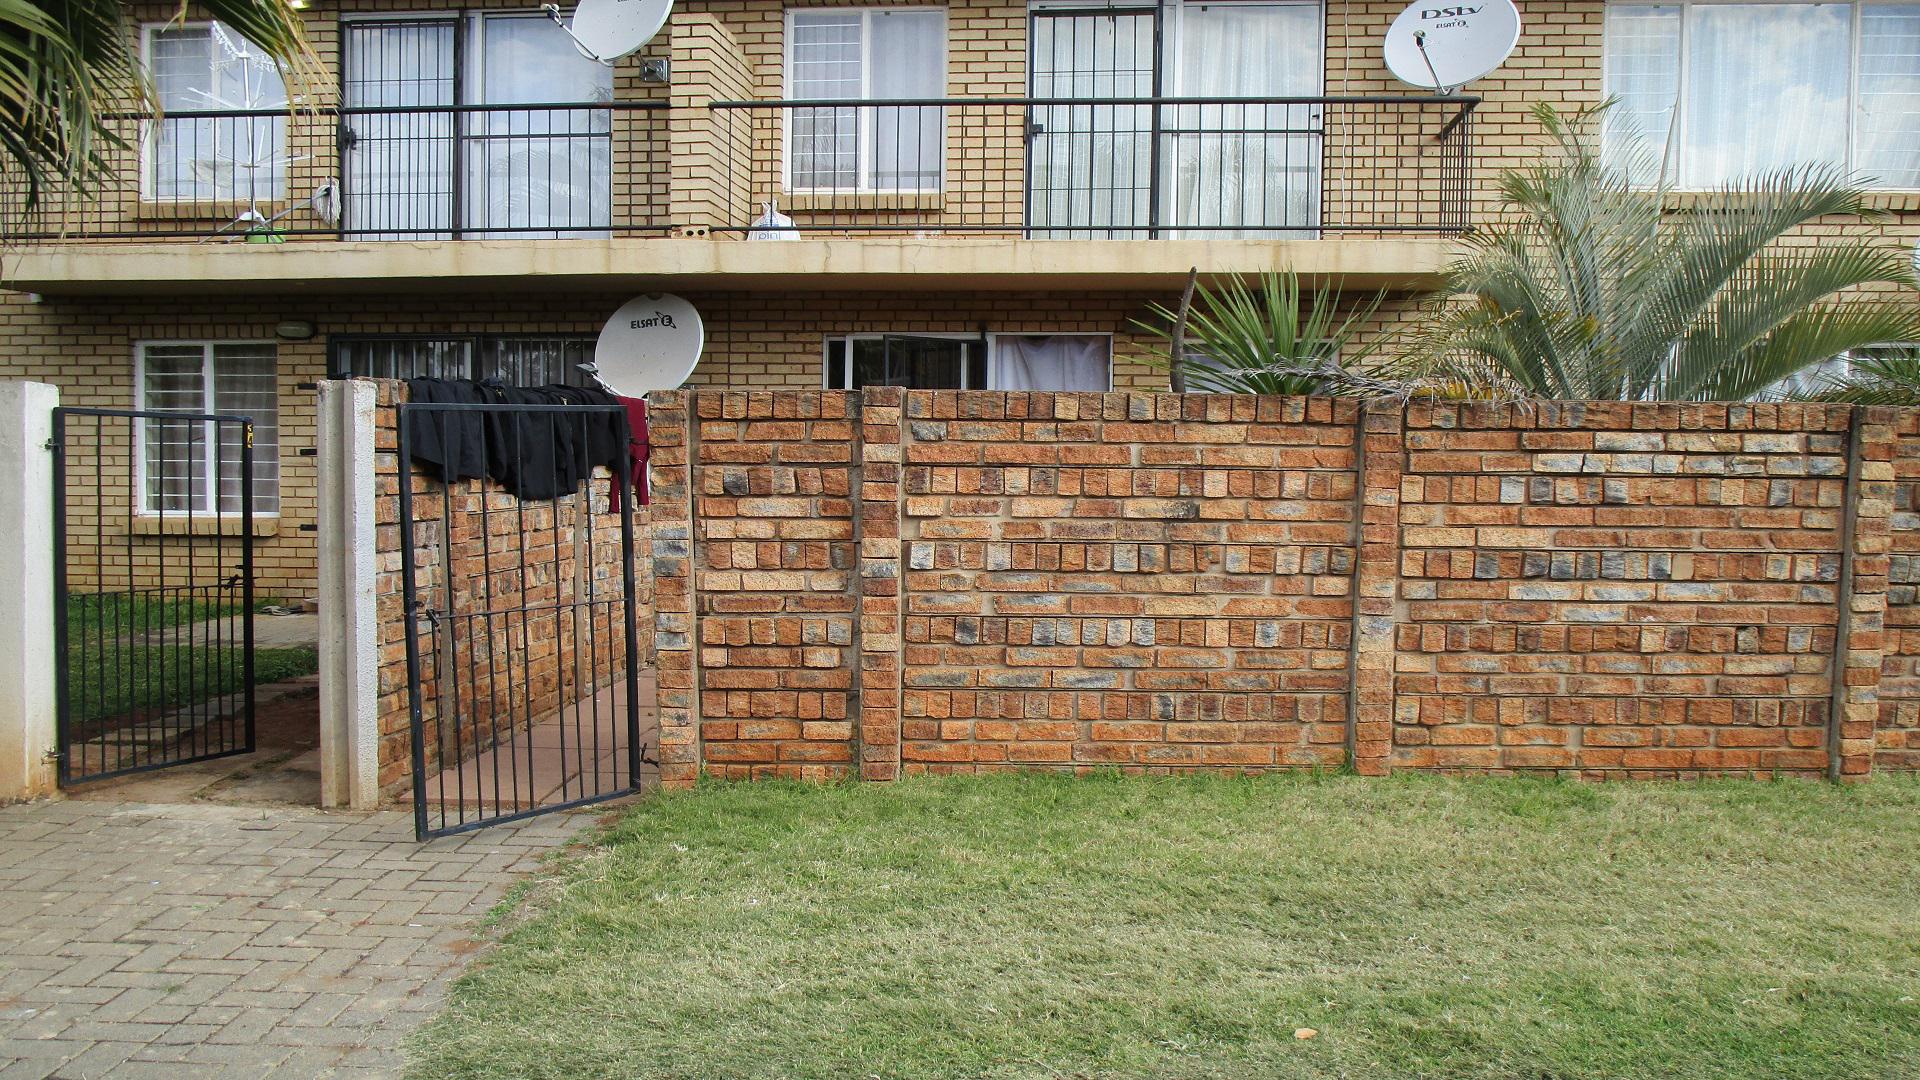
(349, 646)
(27, 668)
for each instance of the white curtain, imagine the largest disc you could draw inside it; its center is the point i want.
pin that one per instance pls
(1246, 165)
(1053, 362)
(1766, 89)
(539, 168)
(909, 60)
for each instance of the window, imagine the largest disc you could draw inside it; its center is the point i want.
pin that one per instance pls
(866, 54)
(500, 172)
(1722, 91)
(970, 362)
(194, 466)
(208, 68)
(516, 359)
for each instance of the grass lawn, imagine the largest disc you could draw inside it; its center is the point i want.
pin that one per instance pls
(1048, 927)
(111, 671)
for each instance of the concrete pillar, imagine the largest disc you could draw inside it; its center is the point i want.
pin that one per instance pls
(27, 668)
(349, 646)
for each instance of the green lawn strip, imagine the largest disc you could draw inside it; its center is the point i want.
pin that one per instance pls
(112, 667)
(91, 615)
(1040, 926)
(109, 678)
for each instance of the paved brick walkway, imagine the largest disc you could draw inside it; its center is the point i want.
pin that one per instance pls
(226, 941)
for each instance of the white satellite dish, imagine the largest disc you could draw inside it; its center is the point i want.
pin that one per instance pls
(1445, 44)
(651, 343)
(606, 30)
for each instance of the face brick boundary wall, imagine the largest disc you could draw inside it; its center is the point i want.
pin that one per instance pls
(886, 582)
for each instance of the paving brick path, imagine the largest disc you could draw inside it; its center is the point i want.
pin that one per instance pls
(227, 941)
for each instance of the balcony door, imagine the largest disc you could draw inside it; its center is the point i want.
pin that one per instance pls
(450, 129)
(1219, 166)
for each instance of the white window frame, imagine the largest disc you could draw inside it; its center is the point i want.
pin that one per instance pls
(150, 132)
(993, 351)
(1676, 134)
(141, 504)
(863, 168)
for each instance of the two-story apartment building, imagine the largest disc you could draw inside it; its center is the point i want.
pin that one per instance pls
(982, 193)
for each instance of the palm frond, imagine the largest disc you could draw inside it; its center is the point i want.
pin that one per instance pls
(1263, 339)
(1593, 287)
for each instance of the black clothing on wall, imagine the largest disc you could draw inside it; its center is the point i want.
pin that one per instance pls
(534, 454)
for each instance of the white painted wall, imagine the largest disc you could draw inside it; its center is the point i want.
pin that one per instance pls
(27, 670)
(349, 647)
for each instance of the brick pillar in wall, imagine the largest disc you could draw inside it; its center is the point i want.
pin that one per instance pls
(671, 517)
(880, 591)
(1376, 587)
(1860, 644)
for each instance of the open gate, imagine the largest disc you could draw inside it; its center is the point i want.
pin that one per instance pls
(523, 657)
(153, 589)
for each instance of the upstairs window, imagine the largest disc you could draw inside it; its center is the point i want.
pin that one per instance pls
(1725, 91)
(866, 54)
(203, 68)
(193, 466)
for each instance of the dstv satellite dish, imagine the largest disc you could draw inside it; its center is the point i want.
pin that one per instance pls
(606, 30)
(651, 343)
(1442, 48)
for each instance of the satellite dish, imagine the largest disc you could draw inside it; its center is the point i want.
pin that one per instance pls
(651, 343)
(1445, 44)
(606, 30)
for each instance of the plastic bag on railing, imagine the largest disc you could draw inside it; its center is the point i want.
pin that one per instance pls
(771, 225)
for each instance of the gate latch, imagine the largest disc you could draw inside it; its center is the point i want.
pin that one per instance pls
(52, 756)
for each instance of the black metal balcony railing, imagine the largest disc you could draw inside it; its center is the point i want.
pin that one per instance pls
(399, 173)
(1115, 168)
(1118, 168)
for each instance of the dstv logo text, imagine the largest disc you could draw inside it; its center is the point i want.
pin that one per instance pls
(1449, 12)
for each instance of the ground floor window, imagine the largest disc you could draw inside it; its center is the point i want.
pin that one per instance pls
(970, 362)
(194, 467)
(515, 359)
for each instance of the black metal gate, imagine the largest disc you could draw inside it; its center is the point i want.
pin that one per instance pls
(153, 589)
(523, 656)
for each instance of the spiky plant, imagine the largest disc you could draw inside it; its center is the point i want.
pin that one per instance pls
(1266, 340)
(1595, 287)
(67, 65)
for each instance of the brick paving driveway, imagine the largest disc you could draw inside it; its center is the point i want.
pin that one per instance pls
(225, 941)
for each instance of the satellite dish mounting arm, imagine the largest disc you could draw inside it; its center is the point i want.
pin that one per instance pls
(1419, 41)
(553, 12)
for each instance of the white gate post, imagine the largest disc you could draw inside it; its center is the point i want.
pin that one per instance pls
(27, 669)
(349, 643)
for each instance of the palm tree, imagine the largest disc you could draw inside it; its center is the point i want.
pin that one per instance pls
(66, 65)
(1595, 287)
(1235, 339)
